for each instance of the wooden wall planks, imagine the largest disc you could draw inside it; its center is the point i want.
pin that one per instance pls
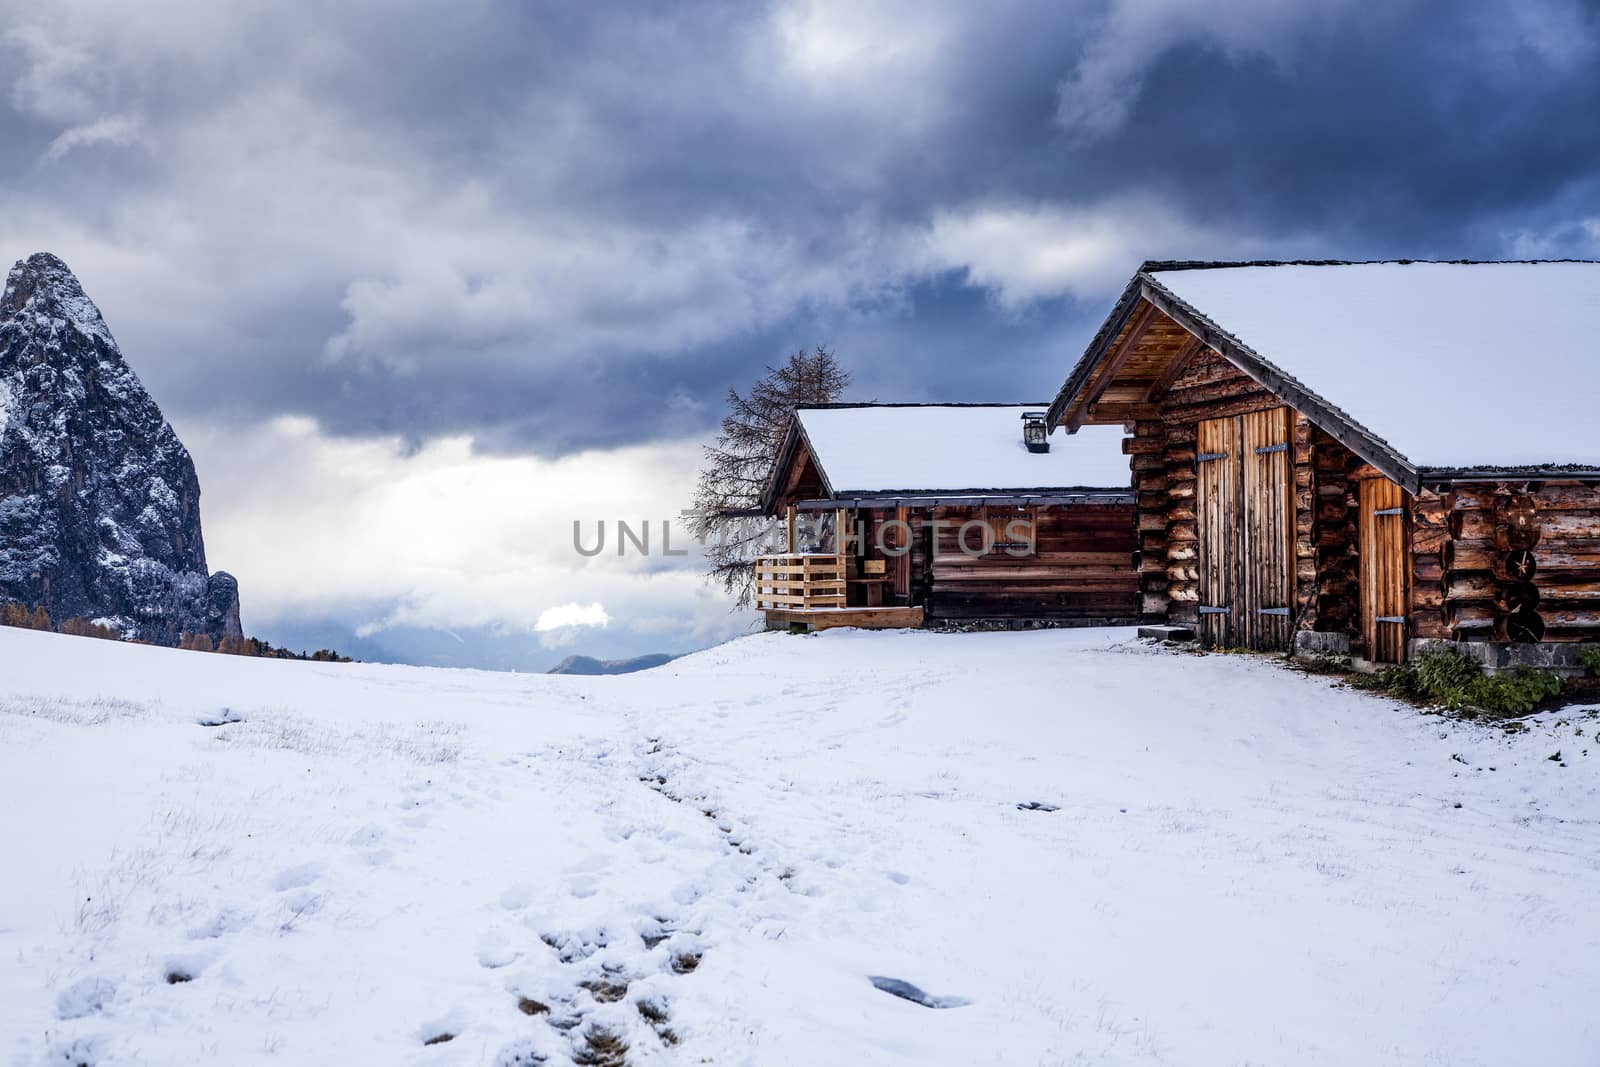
(1385, 570)
(1246, 507)
(1081, 566)
(1268, 530)
(1217, 505)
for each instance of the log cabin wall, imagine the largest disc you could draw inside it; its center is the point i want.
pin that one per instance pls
(1080, 569)
(1507, 561)
(1333, 540)
(1430, 546)
(1162, 452)
(1517, 561)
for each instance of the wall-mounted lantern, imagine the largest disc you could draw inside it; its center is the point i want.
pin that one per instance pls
(1034, 432)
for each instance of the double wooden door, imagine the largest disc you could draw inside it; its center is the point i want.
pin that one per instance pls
(1245, 523)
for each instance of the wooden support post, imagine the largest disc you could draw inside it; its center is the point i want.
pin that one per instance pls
(902, 562)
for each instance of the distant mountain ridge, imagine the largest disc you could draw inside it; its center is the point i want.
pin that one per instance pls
(99, 501)
(590, 665)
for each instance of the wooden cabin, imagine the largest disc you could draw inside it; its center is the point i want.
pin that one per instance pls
(909, 514)
(1357, 456)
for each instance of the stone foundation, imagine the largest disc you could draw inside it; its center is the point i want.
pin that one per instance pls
(1314, 643)
(1499, 656)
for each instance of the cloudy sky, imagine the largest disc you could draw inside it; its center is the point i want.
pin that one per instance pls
(421, 285)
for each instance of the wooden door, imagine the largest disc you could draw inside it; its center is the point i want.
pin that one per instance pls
(1244, 513)
(1267, 530)
(900, 539)
(1217, 505)
(1384, 568)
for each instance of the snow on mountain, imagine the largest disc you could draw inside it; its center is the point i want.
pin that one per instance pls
(865, 848)
(99, 503)
(589, 665)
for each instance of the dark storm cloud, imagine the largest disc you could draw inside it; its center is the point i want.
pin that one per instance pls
(1406, 144)
(563, 227)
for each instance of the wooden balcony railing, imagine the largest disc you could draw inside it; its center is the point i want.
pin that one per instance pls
(800, 581)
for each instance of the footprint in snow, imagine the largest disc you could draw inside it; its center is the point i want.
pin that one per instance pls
(897, 987)
(297, 877)
(79, 1050)
(583, 877)
(520, 1053)
(369, 842)
(1038, 805)
(226, 921)
(654, 932)
(86, 996)
(297, 905)
(516, 897)
(495, 950)
(574, 946)
(606, 990)
(186, 967)
(414, 801)
(442, 1030)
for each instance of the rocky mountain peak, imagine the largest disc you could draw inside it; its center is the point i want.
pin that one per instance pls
(99, 502)
(45, 286)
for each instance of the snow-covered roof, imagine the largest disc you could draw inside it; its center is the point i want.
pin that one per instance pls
(929, 448)
(1454, 365)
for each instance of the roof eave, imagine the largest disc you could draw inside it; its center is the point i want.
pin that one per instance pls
(994, 490)
(1433, 476)
(769, 493)
(852, 405)
(973, 497)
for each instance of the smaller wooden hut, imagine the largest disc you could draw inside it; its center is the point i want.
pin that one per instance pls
(909, 514)
(1359, 456)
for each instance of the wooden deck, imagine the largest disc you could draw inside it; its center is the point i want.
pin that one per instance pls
(809, 620)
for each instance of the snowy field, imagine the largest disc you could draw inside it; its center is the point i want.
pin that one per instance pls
(708, 862)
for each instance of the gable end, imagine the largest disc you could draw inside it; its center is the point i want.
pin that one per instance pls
(1335, 422)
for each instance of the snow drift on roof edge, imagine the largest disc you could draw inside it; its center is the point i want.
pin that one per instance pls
(947, 448)
(1455, 365)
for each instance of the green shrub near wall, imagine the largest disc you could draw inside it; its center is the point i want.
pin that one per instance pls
(1590, 658)
(1449, 679)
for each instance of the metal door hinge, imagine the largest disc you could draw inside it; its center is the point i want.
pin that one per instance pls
(1213, 611)
(1390, 511)
(1206, 456)
(1264, 449)
(1390, 618)
(1272, 611)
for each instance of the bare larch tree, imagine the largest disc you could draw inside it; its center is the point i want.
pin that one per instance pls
(738, 465)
